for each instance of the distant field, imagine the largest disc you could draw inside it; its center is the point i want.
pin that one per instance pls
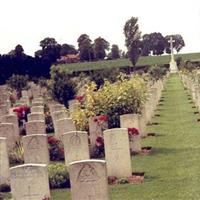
(122, 63)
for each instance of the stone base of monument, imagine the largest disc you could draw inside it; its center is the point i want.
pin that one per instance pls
(173, 67)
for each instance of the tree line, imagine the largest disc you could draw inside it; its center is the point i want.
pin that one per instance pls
(17, 62)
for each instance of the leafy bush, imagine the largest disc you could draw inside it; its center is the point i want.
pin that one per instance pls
(16, 155)
(99, 76)
(18, 82)
(62, 87)
(112, 99)
(58, 176)
(157, 72)
(49, 123)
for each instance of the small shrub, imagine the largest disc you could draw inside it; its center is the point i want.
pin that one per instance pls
(49, 123)
(62, 87)
(157, 72)
(58, 176)
(56, 149)
(16, 155)
(18, 82)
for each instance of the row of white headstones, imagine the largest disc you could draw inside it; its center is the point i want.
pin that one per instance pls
(86, 175)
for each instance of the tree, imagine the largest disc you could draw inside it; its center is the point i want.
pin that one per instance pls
(132, 39)
(17, 52)
(153, 43)
(85, 48)
(100, 47)
(67, 49)
(50, 51)
(48, 42)
(115, 52)
(178, 44)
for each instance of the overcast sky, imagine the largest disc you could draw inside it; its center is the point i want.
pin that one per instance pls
(27, 22)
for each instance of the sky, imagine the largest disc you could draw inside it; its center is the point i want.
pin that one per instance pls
(27, 22)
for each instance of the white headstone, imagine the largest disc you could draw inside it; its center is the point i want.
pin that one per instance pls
(36, 117)
(117, 152)
(29, 181)
(4, 162)
(8, 131)
(96, 128)
(88, 180)
(63, 126)
(35, 127)
(13, 119)
(35, 149)
(75, 146)
(132, 121)
(37, 109)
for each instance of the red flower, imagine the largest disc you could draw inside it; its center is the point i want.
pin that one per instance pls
(99, 141)
(52, 140)
(133, 131)
(101, 118)
(22, 111)
(79, 98)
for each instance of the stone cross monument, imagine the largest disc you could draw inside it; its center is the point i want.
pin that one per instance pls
(173, 65)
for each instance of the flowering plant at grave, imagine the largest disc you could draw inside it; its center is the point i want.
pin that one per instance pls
(79, 98)
(56, 149)
(22, 112)
(133, 131)
(49, 122)
(101, 118)
(99, 152)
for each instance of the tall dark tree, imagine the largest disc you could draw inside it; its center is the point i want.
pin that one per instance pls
(178, 43)
(115, 52)
(100, 47)
(132, 39)
(85, 48)
(146, 45)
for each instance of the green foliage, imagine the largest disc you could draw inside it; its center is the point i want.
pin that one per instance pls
(62, 88)
(16, 155)
(100, 47)
(18, 82)
(86, 50)
(99, 76)
(58, 176)
(132, 39)
(157, 72)
(115, 52)
(113, 99)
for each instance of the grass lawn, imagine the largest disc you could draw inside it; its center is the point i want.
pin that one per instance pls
(121, 63)
(172, 171)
